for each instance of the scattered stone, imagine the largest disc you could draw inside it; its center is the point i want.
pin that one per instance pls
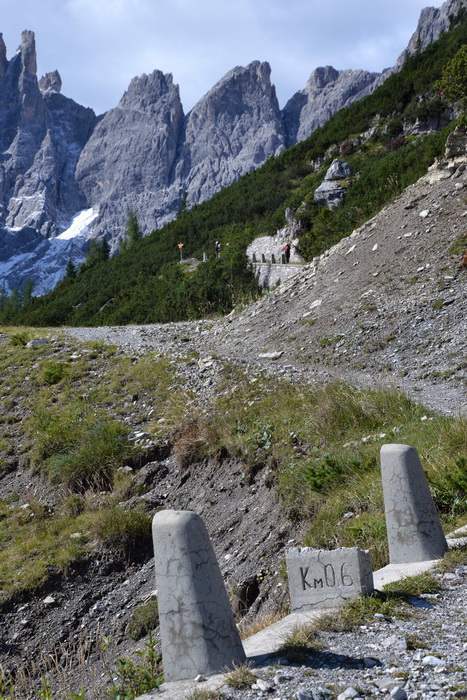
(432, 661)
(38, 341)
(263, 685)
(271, 355)
(395, 642)
(49, 600)
(398, 693)
(348, 693)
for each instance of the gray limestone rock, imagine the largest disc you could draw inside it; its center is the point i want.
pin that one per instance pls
(456, 143)
(338, 170)
(232, 130)
(41, 136)
(327, 91)
(432, 23)
(330, 194)
(51, 81)
(128, 160)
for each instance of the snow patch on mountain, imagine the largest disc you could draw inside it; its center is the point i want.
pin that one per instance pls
(80, 225)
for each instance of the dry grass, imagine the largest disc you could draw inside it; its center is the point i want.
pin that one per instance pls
(248, 628)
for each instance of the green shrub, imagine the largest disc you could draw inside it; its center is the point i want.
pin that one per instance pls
(126, 532)
(55, 429)
(241, 678)
(53, 372)
(300, 644)
(144, 620)
(460, 245)
(20, 338)
(92, 461)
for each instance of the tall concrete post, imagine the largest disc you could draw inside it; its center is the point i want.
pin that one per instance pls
(413, 527)
(198, 630)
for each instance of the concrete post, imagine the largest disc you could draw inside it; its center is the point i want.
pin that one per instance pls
(198, 630)
(282, 259)
(273, 258)
(327, 579)
(254, 257)
(413, 527)
(263, 258)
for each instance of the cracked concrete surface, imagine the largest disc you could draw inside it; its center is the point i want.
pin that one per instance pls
(198, 630)
(413, 527)
(326, 579)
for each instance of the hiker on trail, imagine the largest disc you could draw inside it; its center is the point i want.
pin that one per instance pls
(287, 252)
(217, 248)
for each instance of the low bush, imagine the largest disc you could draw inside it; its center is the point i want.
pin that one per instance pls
(127, 532)
(144, 620)
(53, 372)
(91, 462)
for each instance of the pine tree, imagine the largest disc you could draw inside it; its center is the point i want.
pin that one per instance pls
(70, 272)
(133, 231)
(105, 249)
(453, 83)
(27, 292)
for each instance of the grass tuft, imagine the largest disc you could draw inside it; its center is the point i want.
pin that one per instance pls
(241, 678)
(300, 644)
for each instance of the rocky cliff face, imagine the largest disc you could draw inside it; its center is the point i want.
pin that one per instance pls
(327, 91)
(60, 165)
(41, 136)
(128, 160)
(231, 131)
(146, 155)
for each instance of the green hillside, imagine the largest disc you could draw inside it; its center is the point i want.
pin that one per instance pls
(146, 283)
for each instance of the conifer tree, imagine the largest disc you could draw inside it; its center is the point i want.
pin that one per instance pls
(70, 272)
(133, 231)
(453, 83)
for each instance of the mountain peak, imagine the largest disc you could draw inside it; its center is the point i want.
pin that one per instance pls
(27, 49)
(51, 81)
(321, 77)
(145, 91)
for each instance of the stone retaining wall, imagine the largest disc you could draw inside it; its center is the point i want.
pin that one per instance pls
(269, 274)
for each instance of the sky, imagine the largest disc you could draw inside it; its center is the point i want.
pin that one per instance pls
(98, 46)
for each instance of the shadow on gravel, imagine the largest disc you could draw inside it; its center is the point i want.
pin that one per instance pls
(315, 660)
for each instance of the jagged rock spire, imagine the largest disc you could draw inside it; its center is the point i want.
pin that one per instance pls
(28, 53)
(3, 59)
(51, 81)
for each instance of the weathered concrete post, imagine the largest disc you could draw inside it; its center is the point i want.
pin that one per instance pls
(273, 258)
(327, 579)
(198, 630)
(263, 258)
(413, 527)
